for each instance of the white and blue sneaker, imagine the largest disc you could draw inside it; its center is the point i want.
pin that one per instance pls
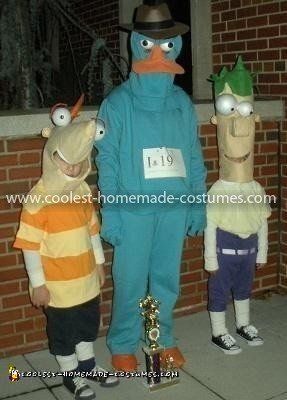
(104, 377)
(79, 388)
(227, 344)
(250, 334)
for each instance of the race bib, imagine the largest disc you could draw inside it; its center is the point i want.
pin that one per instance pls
(162, 162)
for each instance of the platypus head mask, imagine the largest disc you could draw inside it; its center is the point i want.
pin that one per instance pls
(155, 43)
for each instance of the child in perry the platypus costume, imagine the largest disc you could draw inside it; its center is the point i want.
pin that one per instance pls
(151, 146)
(59, 236)
(236, 236)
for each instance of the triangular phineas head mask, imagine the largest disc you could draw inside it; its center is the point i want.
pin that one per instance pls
(66, 156)
(72, 142)
(235, 120)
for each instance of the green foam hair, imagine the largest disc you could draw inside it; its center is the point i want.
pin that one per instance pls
(239, 79)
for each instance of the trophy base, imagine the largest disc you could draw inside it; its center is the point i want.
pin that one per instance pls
(158, 382)
(164, 383)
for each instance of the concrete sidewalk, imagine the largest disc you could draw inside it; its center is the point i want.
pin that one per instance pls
(258, 373)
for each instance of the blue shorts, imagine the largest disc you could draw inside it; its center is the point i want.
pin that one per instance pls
(66, 327)
(236, 260)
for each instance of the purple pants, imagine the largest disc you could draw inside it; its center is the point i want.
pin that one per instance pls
(235, 273)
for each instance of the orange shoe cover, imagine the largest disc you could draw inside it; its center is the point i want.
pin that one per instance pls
(124, 362)
(175, 353)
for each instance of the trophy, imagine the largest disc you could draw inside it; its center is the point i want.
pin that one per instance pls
(157, 378)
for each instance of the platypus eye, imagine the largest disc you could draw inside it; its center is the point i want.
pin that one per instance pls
(167, 46)
(100, 129)
(146, 44)
(61, 116)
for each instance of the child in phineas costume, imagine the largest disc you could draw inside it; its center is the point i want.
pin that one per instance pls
(151, 146)
(236, 236)
(59, 237)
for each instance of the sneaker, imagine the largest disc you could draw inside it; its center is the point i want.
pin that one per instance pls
(250, 334)
(79, 387)
(227, 344)
(104, 377)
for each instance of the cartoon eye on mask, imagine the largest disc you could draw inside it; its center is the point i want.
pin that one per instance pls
(100, 129)
(245, 109)
(167, 47)
(147, 44)
(61, 116)
(225, 104)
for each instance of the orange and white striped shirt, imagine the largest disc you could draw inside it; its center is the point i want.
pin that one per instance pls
(62, 235)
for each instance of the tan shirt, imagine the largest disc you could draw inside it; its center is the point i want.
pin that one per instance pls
(235, 208)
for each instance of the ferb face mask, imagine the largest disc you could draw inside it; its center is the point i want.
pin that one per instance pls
(235, 120)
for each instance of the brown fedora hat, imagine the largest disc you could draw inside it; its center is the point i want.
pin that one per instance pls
(155, 21)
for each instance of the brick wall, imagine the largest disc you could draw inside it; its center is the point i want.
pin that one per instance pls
(257, 29)
(22, 327)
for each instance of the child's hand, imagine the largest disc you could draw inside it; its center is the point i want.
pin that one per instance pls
(260, 265)
(102, 274)
(40, 296)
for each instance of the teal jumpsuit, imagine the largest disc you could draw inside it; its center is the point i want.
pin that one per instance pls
(145, 115)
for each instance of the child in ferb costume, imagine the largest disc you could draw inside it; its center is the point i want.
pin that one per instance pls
(236, 236)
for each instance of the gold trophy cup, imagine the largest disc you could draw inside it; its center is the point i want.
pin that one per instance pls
(157, 378)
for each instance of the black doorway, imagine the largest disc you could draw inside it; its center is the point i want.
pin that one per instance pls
(180, 11)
